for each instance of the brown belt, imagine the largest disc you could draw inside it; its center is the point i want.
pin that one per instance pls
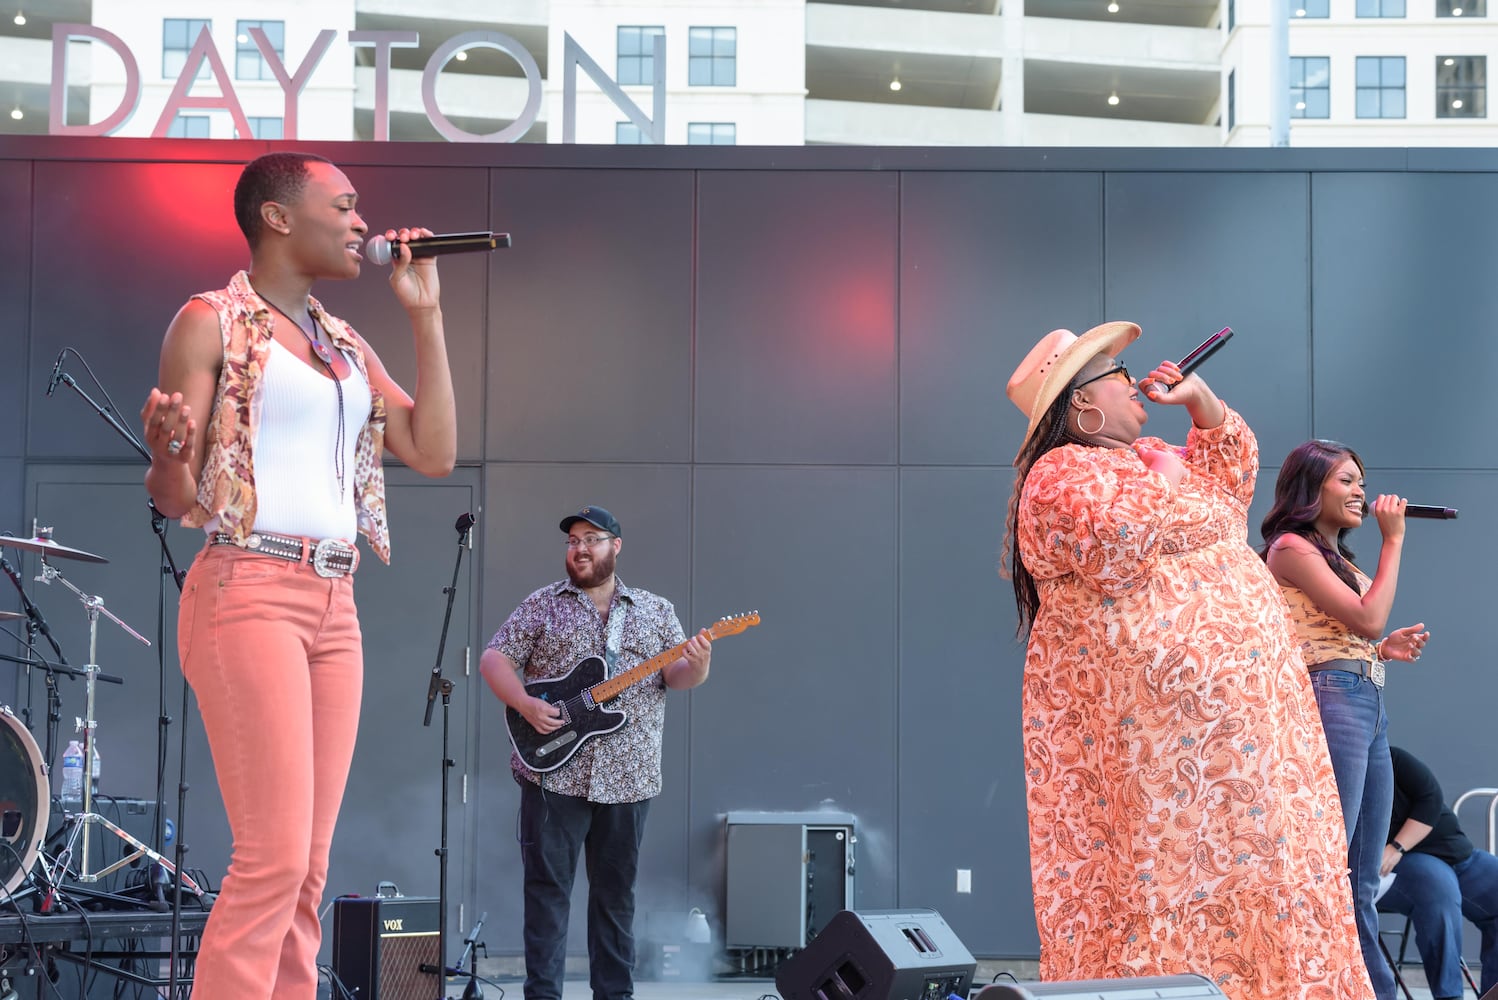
(1373, 670)
(328, 557)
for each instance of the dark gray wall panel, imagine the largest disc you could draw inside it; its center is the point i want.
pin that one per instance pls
(1441, 707)
(105, 286)
(1188, 254)
(391, 197)
(989, 262)
(19, 370)
(799, 713)
(590, 321)
(523, 550)
(796, 283)
(1404, 313)
(961, 780)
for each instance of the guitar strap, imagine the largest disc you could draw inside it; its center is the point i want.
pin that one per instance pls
(614, 643)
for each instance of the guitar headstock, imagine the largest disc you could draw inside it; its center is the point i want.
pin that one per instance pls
(733, 624)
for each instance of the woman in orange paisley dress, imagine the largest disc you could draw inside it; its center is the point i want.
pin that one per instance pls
(1183, 809)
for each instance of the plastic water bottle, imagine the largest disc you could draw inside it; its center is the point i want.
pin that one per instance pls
(93, 787)
(72, 773)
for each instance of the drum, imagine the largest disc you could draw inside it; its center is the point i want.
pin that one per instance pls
(25, 801)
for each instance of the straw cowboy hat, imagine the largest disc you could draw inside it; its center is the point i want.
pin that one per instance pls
(1054, 362)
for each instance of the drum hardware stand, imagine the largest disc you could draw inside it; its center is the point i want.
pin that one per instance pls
(110, 416)
(443, 685)
(87, 818)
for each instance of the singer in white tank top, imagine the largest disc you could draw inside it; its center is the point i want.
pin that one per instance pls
(246, 438)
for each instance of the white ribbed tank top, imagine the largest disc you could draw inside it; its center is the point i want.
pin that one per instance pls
(296, 482)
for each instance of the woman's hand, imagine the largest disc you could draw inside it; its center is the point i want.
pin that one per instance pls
(1390, 859)
(169, 426)
(1389, 510)
(1405, 643)
(1165, 385)
(1167, 463)
(415, 281)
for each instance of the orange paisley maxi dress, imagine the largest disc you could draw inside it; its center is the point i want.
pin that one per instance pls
(1183, 812)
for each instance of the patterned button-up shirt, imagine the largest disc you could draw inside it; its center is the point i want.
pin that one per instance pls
(558, 626)
(226, 486)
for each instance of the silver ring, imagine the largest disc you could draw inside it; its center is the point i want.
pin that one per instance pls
(173, 446)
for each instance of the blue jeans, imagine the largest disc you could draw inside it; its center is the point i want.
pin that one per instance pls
(1437, 895)
(554, 829)
(1352, 713)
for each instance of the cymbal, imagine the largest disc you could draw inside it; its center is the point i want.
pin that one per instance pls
(9, 616)
(48, 547)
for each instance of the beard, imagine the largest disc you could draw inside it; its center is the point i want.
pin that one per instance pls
(598, 572)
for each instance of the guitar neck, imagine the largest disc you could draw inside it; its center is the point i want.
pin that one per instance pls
(615, 686)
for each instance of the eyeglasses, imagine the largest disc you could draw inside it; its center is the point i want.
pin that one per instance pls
(586, 541)
(1115, 370)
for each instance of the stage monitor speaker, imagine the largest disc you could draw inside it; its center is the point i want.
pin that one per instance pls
(381, 943)
(1184, 987)
(879, 955)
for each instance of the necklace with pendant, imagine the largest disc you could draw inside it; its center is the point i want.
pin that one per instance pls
(325, 355)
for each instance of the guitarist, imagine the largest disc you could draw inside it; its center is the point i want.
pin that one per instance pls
(597, 801)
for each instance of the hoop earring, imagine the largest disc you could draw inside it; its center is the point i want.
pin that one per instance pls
(1101, 423)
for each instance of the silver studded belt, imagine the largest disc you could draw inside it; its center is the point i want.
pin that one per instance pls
(328, 557)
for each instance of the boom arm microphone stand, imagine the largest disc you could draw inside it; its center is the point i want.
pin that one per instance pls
(154, 880)
(441, 684)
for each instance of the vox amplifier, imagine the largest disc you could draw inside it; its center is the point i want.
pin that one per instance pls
(381, 943)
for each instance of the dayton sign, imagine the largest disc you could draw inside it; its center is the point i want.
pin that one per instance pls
(652, 129)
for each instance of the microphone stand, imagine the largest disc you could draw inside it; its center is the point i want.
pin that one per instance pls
(443, 685)
(155, 882)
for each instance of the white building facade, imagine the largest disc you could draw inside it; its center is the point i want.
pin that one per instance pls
(756, 72)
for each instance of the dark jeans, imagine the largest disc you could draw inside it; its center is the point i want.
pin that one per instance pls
(1436, 896)
(553, 829)
(1357, 734)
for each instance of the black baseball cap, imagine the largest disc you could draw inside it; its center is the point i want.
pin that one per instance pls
(596, 516)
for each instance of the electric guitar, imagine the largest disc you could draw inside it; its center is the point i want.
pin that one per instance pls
(580, 695)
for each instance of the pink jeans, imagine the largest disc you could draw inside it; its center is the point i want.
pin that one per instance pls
(274, 656)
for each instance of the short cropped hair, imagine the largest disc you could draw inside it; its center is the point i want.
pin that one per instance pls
(273, 177)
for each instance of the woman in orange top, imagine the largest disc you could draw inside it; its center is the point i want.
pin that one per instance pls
(1183, 811)
(1339, 615)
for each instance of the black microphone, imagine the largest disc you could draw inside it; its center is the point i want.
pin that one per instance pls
(1204, 350)
(1433, 513)
(56, 372)
(465, 521)
(1422, 511)
(381, 251)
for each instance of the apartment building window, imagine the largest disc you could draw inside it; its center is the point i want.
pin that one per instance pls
(628, 134)
(249, 64)
(267, 128)
(1380, 86)
(1232, 99)
(1461, 8)
(712, 133)
(1461, 86)
(1310, 87)
(177, 37)
(636, 60)
(1380, 8)
(712, 57)
(1311, 8)
(188, 126)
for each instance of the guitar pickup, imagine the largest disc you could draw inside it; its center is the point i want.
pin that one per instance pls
(556, 744)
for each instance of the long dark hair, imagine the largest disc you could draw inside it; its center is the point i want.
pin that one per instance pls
(1297, 503)
(1051, 432)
